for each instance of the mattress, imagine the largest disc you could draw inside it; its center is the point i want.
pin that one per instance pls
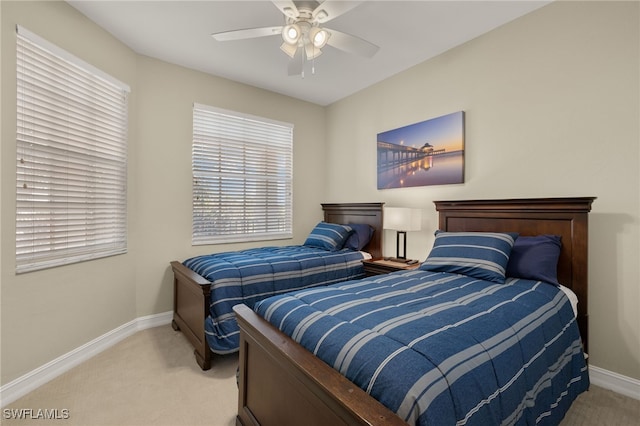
(248, 276)
(440, 348)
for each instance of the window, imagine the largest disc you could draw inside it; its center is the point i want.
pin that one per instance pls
(71, 158)
(242, 177)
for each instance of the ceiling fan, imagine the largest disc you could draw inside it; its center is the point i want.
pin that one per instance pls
(304, 34)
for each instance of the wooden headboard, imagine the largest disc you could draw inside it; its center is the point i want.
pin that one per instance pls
(567, 217)
(367, 213)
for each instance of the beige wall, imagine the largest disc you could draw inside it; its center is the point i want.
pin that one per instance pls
(163, 205)
(552, 109)
(49, 313)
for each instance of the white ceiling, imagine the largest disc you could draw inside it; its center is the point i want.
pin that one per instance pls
(407, 32)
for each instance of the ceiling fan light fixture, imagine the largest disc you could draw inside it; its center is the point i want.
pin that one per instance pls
(302, 33)
(291, 34)
(289, 49)
(311, 51)
(319, 37)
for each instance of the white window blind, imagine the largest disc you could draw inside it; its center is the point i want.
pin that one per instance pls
(242, 177)
(71, 158)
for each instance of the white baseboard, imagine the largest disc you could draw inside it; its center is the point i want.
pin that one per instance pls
(615, 382)
(41, 375)
(23, 385)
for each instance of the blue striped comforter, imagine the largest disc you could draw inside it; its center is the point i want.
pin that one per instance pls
(248, 276)
(444, 349)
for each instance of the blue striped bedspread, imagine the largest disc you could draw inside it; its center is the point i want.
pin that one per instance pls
(248, 276)
(444, 349)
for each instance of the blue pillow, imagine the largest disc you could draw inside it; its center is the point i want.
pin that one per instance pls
(360, 237)
(482, 255)
(328, 236)
(535, 258)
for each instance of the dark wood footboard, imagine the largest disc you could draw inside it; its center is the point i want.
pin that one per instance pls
(283, 384)
(190, 306)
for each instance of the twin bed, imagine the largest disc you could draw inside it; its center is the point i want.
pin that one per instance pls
(207, 287)
(447, 343)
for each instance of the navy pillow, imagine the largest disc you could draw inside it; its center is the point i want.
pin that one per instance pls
(360, 237)
(482, 255)
(328, 236)
(535, 258)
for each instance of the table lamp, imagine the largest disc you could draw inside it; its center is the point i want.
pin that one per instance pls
(401, 220)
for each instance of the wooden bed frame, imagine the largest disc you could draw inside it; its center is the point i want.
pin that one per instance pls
(281, 383)
(191, 292)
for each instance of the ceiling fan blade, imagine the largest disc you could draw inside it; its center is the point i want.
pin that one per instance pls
(328, 10)
(351, 44)
(296, 63)
(247, 33)
(287, 7)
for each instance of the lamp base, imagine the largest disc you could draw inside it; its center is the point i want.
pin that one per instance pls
(402, 234)
(399, 260)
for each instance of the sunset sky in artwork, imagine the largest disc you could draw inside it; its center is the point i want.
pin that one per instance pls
(445, 132)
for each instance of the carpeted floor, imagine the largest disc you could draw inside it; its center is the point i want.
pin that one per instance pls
(151, 378)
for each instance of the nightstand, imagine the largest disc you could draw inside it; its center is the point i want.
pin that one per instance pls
(381, 266)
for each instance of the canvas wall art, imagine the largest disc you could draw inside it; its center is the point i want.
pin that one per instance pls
(430, 152)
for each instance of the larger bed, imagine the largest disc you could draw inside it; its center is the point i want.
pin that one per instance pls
(446, 351)
(207, 287)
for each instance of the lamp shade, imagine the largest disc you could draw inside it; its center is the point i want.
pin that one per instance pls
(289, 49)
(402, 219)
(311, 51)
(291, 34)
(318, 37)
